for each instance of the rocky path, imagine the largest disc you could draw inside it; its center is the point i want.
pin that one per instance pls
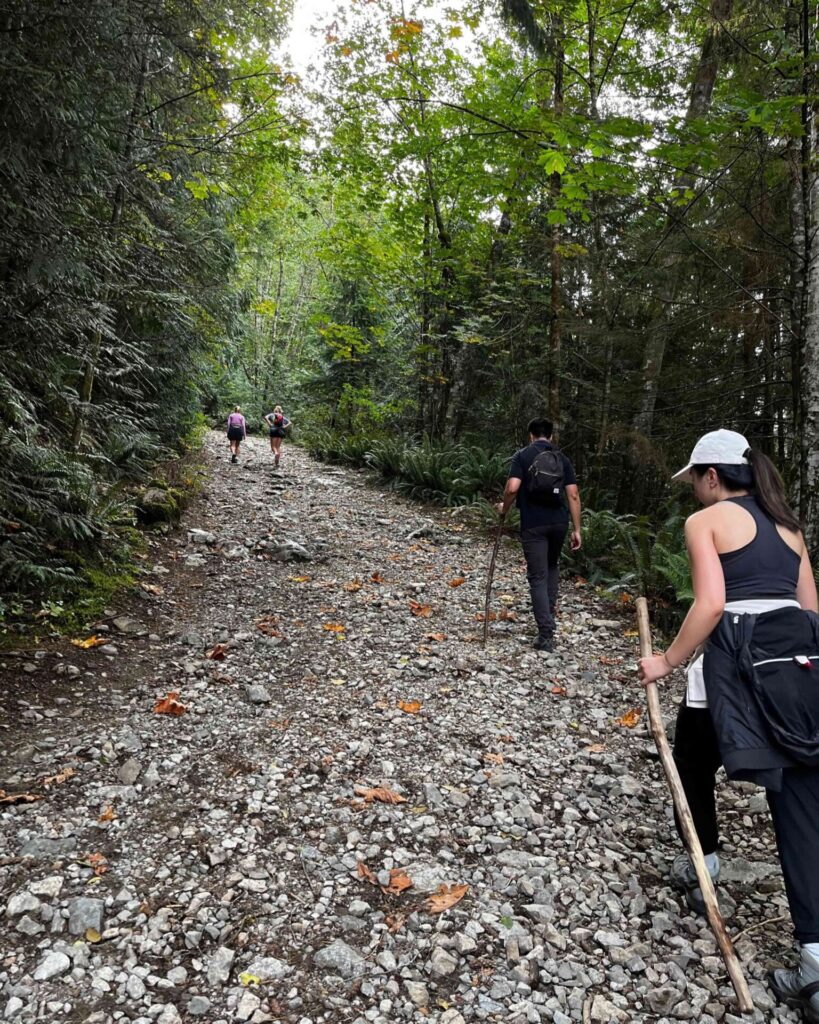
(243, 862)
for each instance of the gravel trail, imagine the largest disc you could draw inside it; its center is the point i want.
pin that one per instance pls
(238, 862)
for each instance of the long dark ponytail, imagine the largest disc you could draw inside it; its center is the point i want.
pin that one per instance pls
(761, 477)
(769, 490)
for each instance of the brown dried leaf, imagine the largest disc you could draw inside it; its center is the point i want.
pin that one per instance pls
(217, 653)
(280, 723)
(596, 748)
(457, 582)
(67, 773)
(170, 705)
(366, 873)
(353, 586)
(630, 718)
(377, 578)
(446, 896)
(334, 627)
(268, 625)
(421, 611)
(507, 616)
(412, 707)
(380, 793)
(395, 922)
(480, 617)
(493, 758)
(91, 641)
(399, 881)
(153, 588)
(97, 861)
(107, 813)
(437, 637)
(559, 691)
(18, 798)
(299, 579)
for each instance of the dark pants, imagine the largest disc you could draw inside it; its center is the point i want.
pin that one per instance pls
(794, 809)
(541, 547)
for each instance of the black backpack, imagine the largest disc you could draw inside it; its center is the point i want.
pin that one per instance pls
(545, 481)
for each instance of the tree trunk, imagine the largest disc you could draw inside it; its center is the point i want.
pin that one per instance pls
(699, 103)
(555, 253)
(95, 341)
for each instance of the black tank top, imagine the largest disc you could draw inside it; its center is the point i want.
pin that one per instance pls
(766, 566)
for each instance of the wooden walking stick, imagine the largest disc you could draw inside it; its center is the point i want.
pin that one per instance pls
(491, 577)
(692, 841)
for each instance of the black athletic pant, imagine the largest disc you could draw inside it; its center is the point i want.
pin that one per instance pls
(541, 547)
(794, 809)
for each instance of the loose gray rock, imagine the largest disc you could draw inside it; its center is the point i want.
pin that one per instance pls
(220, 965)
(417, 992)
(22, 903)
(129, 772)
(257, 694)
(52, 966)
(85, 913)
(341, 959)
(269, 968)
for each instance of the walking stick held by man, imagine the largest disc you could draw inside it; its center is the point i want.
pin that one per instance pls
(490, 577)
(692, 842)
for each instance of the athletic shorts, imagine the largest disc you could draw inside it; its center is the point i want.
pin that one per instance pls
(276, 432)
(235, 434)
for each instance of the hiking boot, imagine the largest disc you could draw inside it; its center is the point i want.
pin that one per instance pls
(234, 458)
(684, 877)
(545, 642)
(799, 987)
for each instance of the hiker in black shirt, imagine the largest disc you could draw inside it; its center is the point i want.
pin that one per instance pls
(541, 485)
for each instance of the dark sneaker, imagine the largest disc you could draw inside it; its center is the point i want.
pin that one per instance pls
(684, 877)
(799, 988)
(233, 458)
(545, 642)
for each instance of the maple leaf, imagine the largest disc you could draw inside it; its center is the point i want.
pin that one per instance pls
(353, 586)
(480, 616)
(457, 582)
(380, 793)
(445, 897)
(18, 798)
(377, 578)
(395, 922)
(399, 881)
(107, 813)
(170, 705)
(412, 707)
(334, 627)
(63, 776)
(366, 873)
(420, 611)
(438, 637)
(494, 758)
(92, 641)
(97, 861)
(559, 691)
(217, 653)
(630, 718)
(507, 616)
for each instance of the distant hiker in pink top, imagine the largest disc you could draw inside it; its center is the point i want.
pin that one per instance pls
(236, 431)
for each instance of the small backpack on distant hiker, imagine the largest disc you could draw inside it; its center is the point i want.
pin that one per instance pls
(545, 480)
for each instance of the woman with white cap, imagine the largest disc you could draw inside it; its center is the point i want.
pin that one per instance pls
(754, 591)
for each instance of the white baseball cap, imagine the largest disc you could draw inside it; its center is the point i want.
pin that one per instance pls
(717, 448)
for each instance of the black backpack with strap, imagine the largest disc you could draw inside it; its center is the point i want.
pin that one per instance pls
(545, 478)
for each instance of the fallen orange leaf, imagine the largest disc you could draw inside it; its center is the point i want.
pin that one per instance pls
(92, 641)
(494, 758)
(559, 691)
(377, 577)
(630, 718)
(412, 707)
(267, 625)
(399, 881)
(334, 627)
(366, 873)
(507, 616)
(18, 798)
(457, 582)
(60, 777)
(217, 653)
(107, 814)
(446, 896)
(353, 586)
(395, 922)
(438, 637)
(479, 616)
(626, 598)
(97, 861)
(299, 579)
(170, 705)
(421, 611)
(596, 748)
(380, 793)
(281, 723)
